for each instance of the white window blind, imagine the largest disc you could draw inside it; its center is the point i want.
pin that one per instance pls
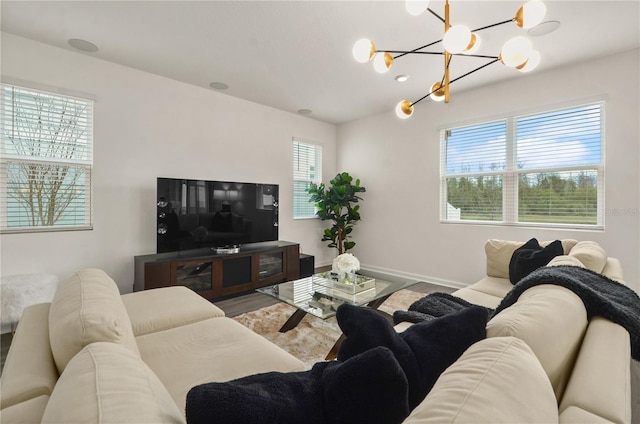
(307, 169)
(542, 169)
(46, 162)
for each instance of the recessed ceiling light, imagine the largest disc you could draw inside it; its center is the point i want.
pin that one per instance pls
(304, 111)
(218, 85)
(83, 45)
(544, 28)
(401, 78)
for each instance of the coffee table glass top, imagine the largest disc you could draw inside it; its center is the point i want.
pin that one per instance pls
(319, 298)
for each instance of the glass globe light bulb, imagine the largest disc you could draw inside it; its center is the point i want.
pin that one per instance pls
(457, 38)
(363, 50)
(382, 62)
(516, 51)
(416, 7)
(532, 63)
(437, 94)
(531, 14)
(404, 109)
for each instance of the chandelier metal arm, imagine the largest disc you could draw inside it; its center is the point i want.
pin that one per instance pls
(493, 25)
(403, 52)
(475, 70)
(435, 14)
(456, 79)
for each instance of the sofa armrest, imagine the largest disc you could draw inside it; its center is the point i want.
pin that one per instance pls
(29, 370)
(600, 383)
(160, 309)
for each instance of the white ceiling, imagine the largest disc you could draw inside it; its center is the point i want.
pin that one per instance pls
(294, 55)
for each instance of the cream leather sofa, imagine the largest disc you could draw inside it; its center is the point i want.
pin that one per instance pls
(542, 361)
(94, 356)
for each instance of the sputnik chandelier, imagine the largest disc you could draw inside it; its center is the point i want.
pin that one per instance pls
(458, 40)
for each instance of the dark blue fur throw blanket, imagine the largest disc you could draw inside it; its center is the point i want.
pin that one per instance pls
(433, 305)
(601, 296)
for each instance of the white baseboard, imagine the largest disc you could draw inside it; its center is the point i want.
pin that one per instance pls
(391, 274)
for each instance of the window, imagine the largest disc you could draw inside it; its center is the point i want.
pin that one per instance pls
(542, 169)
(307, 169)
(45, 168)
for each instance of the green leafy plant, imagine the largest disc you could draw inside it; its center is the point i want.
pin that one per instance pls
(335, 203)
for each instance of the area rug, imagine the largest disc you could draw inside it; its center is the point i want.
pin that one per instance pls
(311, 340)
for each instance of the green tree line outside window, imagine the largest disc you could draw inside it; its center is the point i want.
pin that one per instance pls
(542, 197)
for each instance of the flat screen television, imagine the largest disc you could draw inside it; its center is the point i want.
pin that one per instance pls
(193, 214)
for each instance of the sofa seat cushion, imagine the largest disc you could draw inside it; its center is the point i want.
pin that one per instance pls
(479, 297)
(575, 415)
(497, 380)
(87, 308)
(107, 383)
(29, 370)
(213, 350)
(167, 307)
(498, 287)
(27, 412)
(552, 320)
(598, 384)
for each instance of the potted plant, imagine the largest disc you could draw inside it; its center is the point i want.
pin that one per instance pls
(336, 203)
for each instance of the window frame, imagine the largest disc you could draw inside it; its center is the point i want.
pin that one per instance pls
(84, 164)
(318, 148)
(511, 174)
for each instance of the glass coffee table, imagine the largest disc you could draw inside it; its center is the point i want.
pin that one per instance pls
(319, 296)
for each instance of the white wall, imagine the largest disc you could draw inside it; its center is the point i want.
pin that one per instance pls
(145, 125)
(398, 162)
(148, 126)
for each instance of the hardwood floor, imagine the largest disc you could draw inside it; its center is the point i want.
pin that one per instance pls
(239, 305)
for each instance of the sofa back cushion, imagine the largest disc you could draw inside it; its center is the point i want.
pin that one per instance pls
(590, 254)
(108, 383)
(87, 308)
(499, 253)
(497, 380)
(552, 320)
(565, 260)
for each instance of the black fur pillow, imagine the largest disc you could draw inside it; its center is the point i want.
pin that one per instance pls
(424, 350)
(531, 256)
(368, 388)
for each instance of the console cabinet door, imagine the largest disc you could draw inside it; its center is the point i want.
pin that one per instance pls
(196, 275)
(271, 265)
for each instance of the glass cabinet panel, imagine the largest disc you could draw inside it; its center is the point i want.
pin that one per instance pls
(271, 264)
(196, 275)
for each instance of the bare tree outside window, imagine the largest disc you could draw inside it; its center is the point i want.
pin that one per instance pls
(46, 146)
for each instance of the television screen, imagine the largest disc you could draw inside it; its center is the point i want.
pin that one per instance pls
(193, 214)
